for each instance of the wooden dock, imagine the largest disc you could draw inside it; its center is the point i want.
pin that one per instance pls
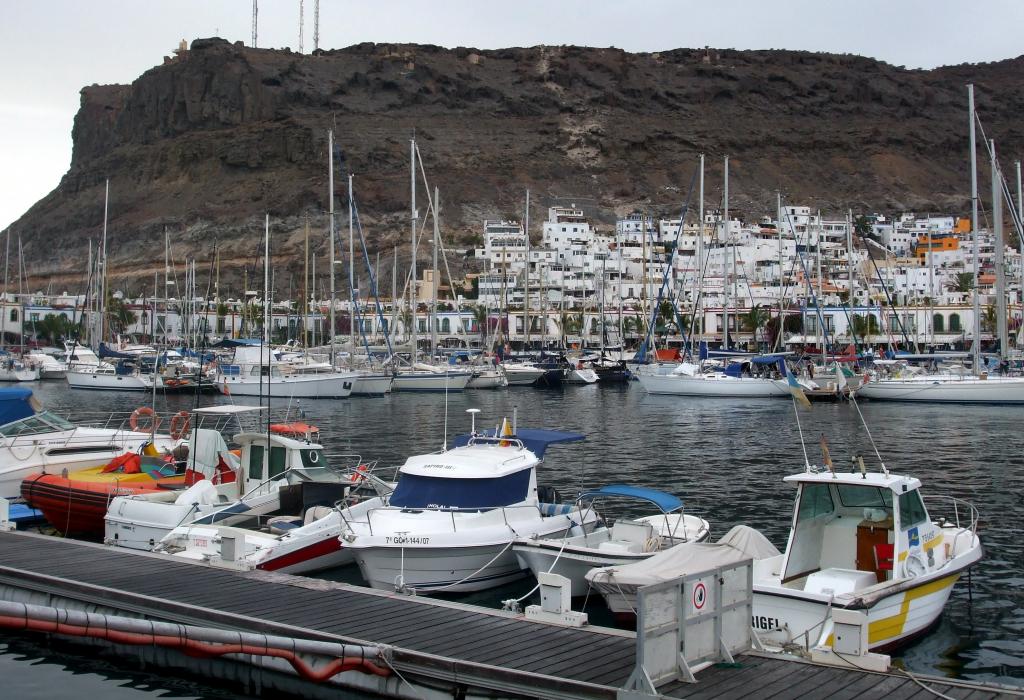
(456, 647)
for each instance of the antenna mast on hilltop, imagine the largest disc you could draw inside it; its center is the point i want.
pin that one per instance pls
(255, 13)
(316, 24)
(302, 15)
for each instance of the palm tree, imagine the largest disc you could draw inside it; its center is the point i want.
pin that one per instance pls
(480, 316)
(864, 325)
(963, 282)
(988, 318)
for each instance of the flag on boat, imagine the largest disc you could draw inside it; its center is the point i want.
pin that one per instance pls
(795, 389)
(506, 431)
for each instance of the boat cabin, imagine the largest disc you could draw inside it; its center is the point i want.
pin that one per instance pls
(484, 474)
(851, 531)
(305, 460)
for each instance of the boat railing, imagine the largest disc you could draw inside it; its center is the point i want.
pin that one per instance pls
(452, 512)
(964, 513)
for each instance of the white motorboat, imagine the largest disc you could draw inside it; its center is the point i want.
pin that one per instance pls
(105, 376)
(626, 541)
(858, 541)
(426, 377)
(521, 373)
(451, 521)
(256, 371)
(48, 443)
(226, 493)
(49, 367)
(687, 379)
(579, 373)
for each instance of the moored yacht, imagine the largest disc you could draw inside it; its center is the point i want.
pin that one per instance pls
(451, 521)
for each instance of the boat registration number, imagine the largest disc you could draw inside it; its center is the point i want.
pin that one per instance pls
(401, 539)
(202, 542)
(768, 624)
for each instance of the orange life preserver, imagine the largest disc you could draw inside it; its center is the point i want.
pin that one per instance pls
(180, 424)
(360, 474)
(154, 420)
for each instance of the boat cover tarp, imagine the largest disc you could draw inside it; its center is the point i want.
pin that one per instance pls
(536, 440)
(739, 543)
(665, 501)
(105, 351)
(734, 370)
(16, 403)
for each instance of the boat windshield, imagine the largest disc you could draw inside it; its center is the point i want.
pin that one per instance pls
(43, 422)
(415, 491)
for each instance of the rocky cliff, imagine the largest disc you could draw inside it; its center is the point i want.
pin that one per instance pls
(204, 145)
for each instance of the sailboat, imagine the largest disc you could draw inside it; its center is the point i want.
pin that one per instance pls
(423, 376)
(256, 369)
(954, 388)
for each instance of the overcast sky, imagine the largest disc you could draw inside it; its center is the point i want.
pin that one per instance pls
(50, 49)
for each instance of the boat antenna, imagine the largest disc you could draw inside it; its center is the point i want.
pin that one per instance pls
(444, 437)
(472, 419)
(853, 399)
(796, 412)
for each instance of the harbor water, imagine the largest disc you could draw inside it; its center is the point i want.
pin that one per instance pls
(726, 458)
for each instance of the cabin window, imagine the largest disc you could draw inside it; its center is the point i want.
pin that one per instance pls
(256, 462)
(815, 502)
(912, 510)
(277, 462)
(864, 496)
(417, 491)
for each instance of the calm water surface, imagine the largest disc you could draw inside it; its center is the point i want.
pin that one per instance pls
(726, 458)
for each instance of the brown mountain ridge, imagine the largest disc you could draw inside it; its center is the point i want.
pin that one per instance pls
(205, 144)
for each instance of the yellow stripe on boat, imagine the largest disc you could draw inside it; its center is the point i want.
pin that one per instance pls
(892, 627)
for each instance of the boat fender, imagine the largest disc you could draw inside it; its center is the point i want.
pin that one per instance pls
(653, 544)
(154, 420)
(180, 424)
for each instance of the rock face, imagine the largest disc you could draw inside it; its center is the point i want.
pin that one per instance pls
(206, 144)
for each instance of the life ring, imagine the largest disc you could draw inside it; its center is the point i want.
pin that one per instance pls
(359, 476)
(154, 420)
(180, 424)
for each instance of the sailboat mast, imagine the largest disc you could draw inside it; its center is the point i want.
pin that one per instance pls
(1020, 219)
(849, 270)
(997, 236)
(103, 278)
(267, 307)
(7, 265)
(434, 275)
(698, 283)
(413, 301)
(782, 284)
(526, 274)
(725, 259)
(351, 275)
(305, 290)
(330, 247)
(976, 349)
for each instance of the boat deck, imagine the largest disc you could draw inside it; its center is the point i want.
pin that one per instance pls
(467, 645)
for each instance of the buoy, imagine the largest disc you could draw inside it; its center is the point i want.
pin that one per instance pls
(154, 420)
(180, 424)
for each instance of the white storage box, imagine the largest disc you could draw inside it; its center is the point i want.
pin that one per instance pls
(839, 581)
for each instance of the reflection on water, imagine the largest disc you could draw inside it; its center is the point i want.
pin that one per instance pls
(726, 458)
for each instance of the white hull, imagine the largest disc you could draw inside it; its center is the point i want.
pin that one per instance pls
(333, 385)
(574, 557)
(521, 375)
(431, 381)
(109, 382)
(24, 374)
(456, 570)
(487, 380)
(52, 373)
(580, 376)
(372, 385)
(712, 385)
(945, 389)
